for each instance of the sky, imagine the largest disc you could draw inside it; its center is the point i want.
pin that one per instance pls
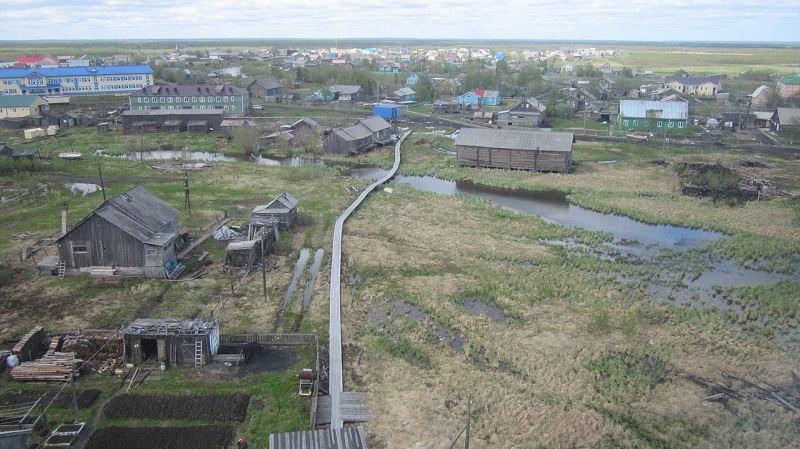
(585, 20)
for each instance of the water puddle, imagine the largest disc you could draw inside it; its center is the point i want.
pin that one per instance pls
(170, 155)
(313, 277)
(299, 266)
(389, 320)
(633, 242)
(82, 187)
(477, 307)
(286, 161)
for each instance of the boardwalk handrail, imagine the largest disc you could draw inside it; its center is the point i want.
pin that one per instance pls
(335, 383)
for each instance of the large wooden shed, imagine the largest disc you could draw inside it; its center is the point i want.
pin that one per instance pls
(515, 149)
(172, 341)
(133, 234)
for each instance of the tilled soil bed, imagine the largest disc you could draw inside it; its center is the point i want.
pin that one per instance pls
(197, 437)
(195, 408)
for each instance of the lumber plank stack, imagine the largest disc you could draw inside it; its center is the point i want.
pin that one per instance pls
(53, 367)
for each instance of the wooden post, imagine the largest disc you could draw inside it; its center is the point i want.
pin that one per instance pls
(469, 403)
(74, 399)
(263, 267)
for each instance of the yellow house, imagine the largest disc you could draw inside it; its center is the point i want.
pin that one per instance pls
(693, 85)
(19, 106)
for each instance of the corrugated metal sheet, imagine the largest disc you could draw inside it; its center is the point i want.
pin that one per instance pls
(345, 438)
(515, 139)
(137, 212)
(657, 109)
(375, 123)
(788, 116)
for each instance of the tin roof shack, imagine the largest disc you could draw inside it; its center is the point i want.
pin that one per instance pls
(172, 341)
(446, 108)
(132, 234)
(365, 135)
(280, 212)
(515, 149)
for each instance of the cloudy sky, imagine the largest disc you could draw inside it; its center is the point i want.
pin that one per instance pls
(632, 20)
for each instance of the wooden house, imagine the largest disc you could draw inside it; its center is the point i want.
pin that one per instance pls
(132, 234)
(171, 341)
(348, 93)
(527, 112)
(265, 87)
(480, 97)
(363, 136)
(515, 149)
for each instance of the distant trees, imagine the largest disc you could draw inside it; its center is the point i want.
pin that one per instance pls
(424, 89)
(248, 138)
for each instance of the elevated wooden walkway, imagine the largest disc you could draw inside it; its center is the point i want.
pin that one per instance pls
(335, 382)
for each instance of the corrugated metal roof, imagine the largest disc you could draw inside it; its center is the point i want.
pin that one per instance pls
(344, 89)
(674, 110)
(788, 116)
(375, 123)
(79, 71)
(137, 212)
(345, 438)
(356, 132)
(152, 112)
(691, 80)
(515, 139)
(161, 90)
(18, 101)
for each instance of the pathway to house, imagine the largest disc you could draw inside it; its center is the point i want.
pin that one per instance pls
(335, 386)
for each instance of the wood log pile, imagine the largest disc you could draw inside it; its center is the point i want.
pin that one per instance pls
(730, 386)
(29, 346)
(105, 352)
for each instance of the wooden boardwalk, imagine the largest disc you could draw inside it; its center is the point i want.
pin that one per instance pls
(336, 386)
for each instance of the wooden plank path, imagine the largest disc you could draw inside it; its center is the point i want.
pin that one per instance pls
(335, 386)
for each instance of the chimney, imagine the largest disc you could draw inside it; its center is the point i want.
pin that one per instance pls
(64, 210)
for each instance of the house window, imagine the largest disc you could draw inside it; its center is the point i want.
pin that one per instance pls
(186, 99)
(169, 100)
(634, 122)
(194, 99)
(218, 99)
(671, 124)
(163, 99)
(177, 99)
(146, 100)
(226, 107)
(660, 124)
(79, 249)
(152, 252)
(225, 98)
(680, 124)
(625, 123)
(210, 99)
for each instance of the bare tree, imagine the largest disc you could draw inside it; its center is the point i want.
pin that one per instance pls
(248, 138)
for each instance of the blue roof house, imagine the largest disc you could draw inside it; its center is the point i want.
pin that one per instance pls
(412, 79)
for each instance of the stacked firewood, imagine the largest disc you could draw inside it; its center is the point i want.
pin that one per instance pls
(105, 352)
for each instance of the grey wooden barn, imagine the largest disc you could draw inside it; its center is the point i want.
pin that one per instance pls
(281, 212)
(171, 341)
(515, 149)
(365, 135)
(132, 234)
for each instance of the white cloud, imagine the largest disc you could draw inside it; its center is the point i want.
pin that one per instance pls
(701, 20)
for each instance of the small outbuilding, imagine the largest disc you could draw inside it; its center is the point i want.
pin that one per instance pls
(171, 341)
(515, 149)
(280, 212)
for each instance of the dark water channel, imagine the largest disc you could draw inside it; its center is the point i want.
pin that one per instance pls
(633, 241)
(299, 266)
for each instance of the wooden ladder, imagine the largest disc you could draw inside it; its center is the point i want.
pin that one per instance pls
(62, 268)
(198, 353)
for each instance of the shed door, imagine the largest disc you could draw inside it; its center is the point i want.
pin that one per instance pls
(136, 351)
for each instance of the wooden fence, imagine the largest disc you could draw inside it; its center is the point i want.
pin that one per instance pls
(270, 339)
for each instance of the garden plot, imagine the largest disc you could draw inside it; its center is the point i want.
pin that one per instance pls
(221, 408)
(197, 437)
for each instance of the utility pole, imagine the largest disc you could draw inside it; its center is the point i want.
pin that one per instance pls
(469, 403)
(102, 185)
